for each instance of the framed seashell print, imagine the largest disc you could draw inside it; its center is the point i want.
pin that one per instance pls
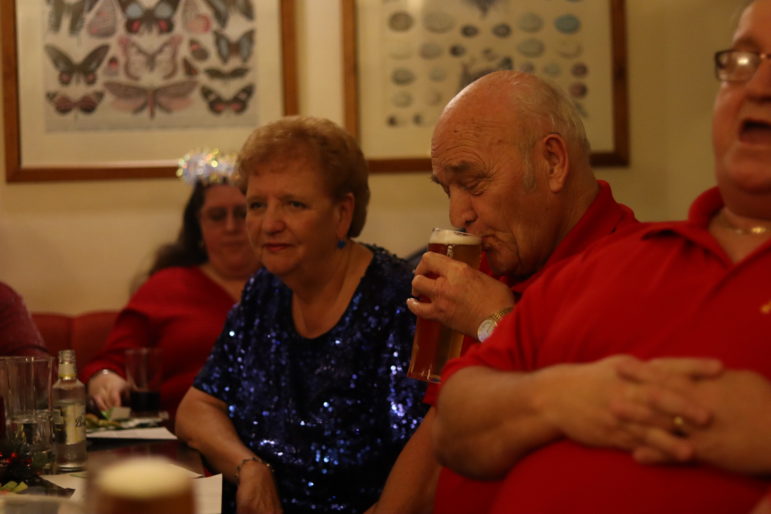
(405, 59)
(116, 89)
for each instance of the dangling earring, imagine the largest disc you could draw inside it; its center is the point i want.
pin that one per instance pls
(341, 244)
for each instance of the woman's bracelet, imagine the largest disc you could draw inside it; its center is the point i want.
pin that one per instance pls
(237, 474)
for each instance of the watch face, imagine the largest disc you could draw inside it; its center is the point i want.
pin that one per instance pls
(485, 329)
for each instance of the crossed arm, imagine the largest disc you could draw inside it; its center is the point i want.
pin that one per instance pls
(489, 419)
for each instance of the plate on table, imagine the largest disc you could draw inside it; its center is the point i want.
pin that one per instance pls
(96, 424)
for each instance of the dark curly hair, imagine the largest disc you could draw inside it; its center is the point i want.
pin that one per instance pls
(188, 249)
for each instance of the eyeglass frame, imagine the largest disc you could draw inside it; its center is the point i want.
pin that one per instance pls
(238, 213)
(720, 66)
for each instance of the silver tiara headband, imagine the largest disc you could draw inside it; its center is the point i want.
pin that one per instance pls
(208, 167)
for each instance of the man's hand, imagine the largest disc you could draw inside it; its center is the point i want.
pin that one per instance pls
(107, 390)
(455, 294)
(592, 413)
(737, 438)
(257, 492)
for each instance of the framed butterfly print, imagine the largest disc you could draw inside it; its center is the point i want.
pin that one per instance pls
(405, 59)
(116, 89)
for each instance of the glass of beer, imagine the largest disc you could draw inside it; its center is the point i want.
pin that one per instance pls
(144, 373)
(146, 485)
(435, 344)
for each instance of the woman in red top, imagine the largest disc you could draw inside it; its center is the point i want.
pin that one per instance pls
(192, 285)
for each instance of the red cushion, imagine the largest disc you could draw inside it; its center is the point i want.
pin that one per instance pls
(85, 333)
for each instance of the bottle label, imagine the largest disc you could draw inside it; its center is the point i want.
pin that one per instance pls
(72, 417)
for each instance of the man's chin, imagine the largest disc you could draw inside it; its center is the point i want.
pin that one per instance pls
(512, 271)
(497, 267)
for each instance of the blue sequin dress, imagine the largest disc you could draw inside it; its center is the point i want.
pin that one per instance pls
(329, 414)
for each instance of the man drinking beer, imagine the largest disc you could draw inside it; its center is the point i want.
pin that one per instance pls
(512, 155)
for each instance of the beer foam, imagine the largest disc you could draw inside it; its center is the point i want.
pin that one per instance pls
(143, 478)
(453, 237)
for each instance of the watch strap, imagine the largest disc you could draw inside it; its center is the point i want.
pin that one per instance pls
(487, 326)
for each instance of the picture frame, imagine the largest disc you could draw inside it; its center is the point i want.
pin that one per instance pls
(35, 153)
(403, 60)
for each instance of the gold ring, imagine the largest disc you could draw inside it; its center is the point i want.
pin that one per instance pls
(679, 424)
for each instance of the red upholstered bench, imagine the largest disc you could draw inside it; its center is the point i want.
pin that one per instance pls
(85, 333)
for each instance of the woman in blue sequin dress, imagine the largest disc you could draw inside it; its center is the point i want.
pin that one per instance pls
(304, 404)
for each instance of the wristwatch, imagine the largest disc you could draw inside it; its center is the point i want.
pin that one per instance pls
(488, 324)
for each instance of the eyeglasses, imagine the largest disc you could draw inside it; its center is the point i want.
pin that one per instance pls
(219, 215)
(737, 65)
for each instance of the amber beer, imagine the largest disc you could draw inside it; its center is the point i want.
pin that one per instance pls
(435, 344)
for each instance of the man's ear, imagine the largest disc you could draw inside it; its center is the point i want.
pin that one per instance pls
(557, 159)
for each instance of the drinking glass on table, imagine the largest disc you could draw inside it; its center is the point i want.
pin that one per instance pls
(144, 372)
(27, 401)
(435, 344)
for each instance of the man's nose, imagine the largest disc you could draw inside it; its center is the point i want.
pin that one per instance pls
(461, 211)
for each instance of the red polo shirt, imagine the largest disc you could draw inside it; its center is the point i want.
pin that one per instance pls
(603, 217)
(667, 289)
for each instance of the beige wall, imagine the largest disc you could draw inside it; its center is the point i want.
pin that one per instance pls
(75, 246)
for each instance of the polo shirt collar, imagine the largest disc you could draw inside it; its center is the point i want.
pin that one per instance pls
(696, 228)
(602, 217)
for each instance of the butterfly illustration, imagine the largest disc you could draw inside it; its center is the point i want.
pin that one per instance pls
(237, 104)
(235, 73)
(242, 47)
(64, 104)
(190, 69)
(193, 20)
(197, 50)
(111, 69)
(77, 11)
(140, 19)
(167, 98)
(104, 21)
(221, 9)
(68, 69)
(138, 61)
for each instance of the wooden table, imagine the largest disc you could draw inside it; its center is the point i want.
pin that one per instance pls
(175, 451)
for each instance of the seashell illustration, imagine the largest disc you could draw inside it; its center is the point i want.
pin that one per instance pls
(569, 48)
(483, 5)
(502, 30)
(469, 30)
(579, 70)
(438, 22)
(437, 74)
(401, 99)
(530, 22)
(457, 50)
(400, 21)
(402, 76)
(578, 89)
(552, 69)
(430, 50)
(531, 47)
(567, 24)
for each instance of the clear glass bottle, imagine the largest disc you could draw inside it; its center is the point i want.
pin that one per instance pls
(69, 399)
